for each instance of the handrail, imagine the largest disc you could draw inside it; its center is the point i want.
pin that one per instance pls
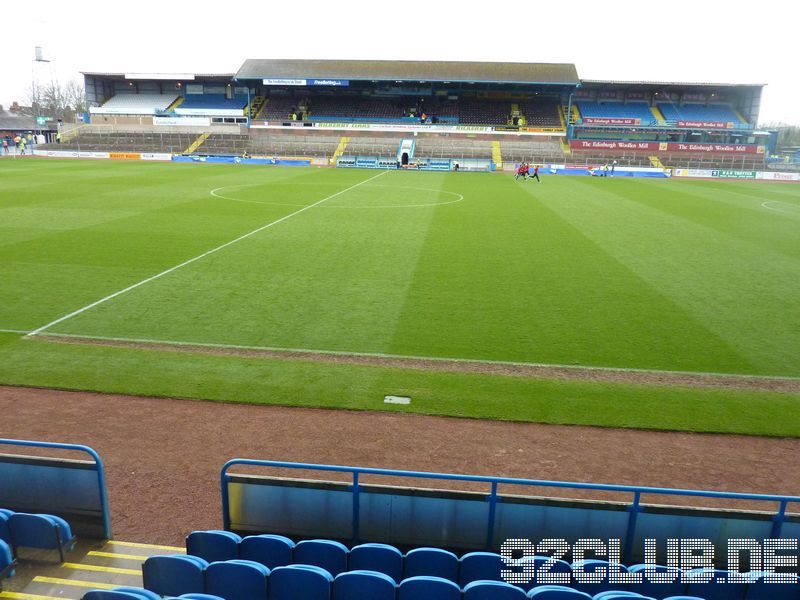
(99, 467)
(493, 498)
(606, 487)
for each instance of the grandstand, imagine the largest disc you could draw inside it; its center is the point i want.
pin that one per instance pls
(498, 113)
(135, 104)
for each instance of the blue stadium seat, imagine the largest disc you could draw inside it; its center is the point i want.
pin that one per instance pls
(714, 590)
(480, 566)
(112, 595)
(619, 595)
(646, 588)
(5, 532)
(758, 590)
(330, 555)
(719, 113)
(121, 593)
(363, 585)
(558, 566)
(382, 558)
(6, 511)
(41, 531)
(557, 592)
(200, 597)
(173, 575)
(269, 550)
(693, 598)
(213, 545)
(590, 566)
(143, 593)
(300, 582)
(237, 580)
(492, 590)
(7, 562)
(428, 588)
(433, 562)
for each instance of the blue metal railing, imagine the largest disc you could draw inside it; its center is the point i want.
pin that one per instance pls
(98, 467)
(634, 508)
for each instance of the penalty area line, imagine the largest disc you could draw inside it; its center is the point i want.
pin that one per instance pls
(83, 309)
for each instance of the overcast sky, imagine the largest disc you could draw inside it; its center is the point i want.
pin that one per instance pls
(677, 40)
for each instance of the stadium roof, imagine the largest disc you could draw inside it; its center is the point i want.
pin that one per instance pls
(662, 84)
(161, 76)
(407, 70)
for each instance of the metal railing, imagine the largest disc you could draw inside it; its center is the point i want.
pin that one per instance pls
(98, 467)
(634, 508)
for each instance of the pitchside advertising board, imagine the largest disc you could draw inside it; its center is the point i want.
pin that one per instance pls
(301, 82)
(733, 174)
(706, 124)
(610, 121)
(665, 147)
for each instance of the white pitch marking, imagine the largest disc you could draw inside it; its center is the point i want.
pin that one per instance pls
(788, 212)
(14, 331)
(458, 199)
(443, 359)
(196, 258)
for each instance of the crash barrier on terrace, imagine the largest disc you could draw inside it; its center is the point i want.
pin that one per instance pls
(353, 511)
(72, 489)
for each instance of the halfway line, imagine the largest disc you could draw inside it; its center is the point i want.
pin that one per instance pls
(196, 258)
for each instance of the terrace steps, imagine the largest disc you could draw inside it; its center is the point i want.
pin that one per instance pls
(497, 155)
(660, 120)
(91, 565)
(340, 149)
(197, 143)
(178, 101)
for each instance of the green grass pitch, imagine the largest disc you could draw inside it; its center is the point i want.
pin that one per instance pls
(641, 274)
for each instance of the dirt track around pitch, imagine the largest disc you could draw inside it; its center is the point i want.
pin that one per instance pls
(163, 456)
(607, 375)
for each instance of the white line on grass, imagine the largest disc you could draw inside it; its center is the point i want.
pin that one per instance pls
(459, 197)
(788, 212)
(14, 331)
(196, 258)
(89, 337)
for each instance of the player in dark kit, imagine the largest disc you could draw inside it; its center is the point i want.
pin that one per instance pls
(536, 173)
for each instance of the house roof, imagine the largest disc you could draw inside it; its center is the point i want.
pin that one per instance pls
(15, 122)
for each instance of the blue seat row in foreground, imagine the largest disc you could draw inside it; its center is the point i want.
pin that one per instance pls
(274, 550)
(306, 582)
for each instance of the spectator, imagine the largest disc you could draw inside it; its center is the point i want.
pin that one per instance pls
(5, 145)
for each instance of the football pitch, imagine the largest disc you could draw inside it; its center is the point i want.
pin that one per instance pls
(120, 258)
